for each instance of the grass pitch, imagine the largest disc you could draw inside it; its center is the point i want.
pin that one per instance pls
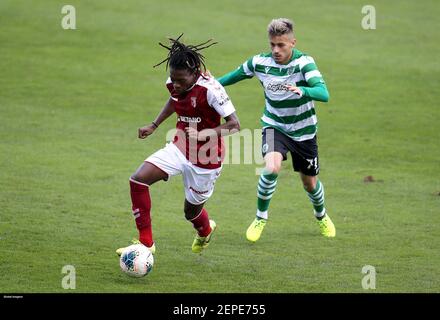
(71, 102)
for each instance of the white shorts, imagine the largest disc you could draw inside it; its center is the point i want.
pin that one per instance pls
(198, 182)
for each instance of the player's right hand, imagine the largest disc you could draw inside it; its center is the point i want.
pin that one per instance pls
(294, 89)
(146, 131)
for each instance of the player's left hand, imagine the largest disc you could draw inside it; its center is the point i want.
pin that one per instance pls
(294, 89)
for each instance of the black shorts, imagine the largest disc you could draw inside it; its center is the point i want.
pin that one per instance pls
(304, 153)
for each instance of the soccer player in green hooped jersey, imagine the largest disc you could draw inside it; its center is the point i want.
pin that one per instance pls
(291, 82)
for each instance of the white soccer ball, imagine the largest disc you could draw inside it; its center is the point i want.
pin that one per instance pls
(136, 260)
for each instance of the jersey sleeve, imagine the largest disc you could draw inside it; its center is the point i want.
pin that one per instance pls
(249, 68)
(245, 71)
(310, 71)
(317, 90)
(219, 99)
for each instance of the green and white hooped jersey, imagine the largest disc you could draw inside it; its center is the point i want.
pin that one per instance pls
(285, 110)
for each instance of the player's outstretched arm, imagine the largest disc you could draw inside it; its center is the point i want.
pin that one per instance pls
(167, 111)
(233, 77)
(316, 88)
(318, 91)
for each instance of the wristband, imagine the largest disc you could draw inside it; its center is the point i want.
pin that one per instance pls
(154, 124)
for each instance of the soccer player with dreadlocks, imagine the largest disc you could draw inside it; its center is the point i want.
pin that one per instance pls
(197, 149)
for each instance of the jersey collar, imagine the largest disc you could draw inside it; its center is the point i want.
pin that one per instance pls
(295, 55)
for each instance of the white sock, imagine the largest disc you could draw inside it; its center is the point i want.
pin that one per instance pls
(320, 214)
(262, 214)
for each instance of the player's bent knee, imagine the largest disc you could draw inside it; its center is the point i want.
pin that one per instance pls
(273, 168)
(192, 210)
(189, 214)
(137, 178)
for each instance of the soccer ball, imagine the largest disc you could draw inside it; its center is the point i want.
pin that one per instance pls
(136, 260)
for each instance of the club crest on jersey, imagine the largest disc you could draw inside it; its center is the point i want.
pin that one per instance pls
(194, 101)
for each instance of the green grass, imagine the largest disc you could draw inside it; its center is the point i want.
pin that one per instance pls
(71, 102)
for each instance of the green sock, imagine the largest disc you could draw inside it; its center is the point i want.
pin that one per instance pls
(266, 188)
(317, 199)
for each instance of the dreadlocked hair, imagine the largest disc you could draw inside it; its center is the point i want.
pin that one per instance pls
(181, 56)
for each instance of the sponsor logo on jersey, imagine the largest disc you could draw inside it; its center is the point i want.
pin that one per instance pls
(222, 97)
(190, 119)
(197, 191)
(277, 87)
(223, 100)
